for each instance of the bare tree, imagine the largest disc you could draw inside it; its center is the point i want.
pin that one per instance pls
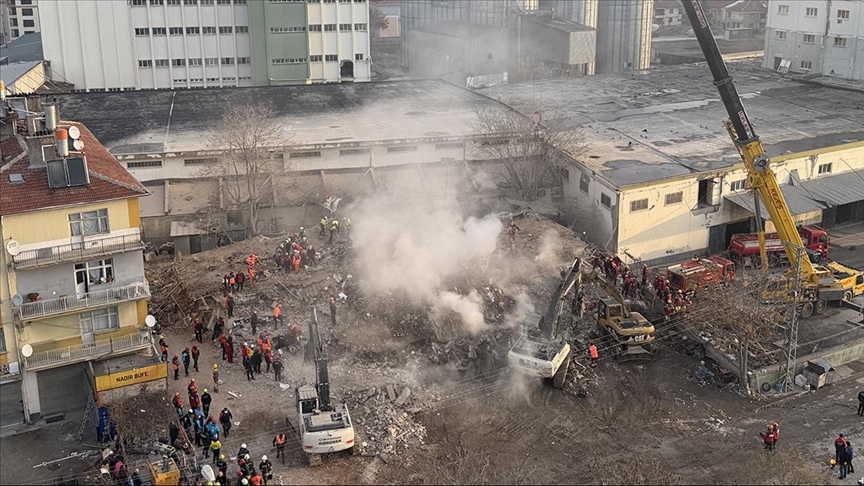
(377, 20)
(249, 136)
(534, 156)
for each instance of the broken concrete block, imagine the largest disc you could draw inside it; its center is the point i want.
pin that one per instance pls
(403, 397)
(391, 392)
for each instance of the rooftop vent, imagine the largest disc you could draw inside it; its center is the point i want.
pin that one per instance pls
(70, 172)
(16, 179)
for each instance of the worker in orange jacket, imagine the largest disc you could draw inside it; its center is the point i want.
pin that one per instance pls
(592, 350)
(277, 314)
(175, 365)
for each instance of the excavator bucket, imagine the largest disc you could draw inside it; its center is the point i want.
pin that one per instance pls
(636, 353)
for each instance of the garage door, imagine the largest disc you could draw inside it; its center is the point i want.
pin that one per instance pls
(62, 389)
(11, 405)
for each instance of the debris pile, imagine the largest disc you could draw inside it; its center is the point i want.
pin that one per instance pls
(384, 415)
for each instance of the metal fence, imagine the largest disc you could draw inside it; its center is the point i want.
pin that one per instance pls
(76, 251)
(81, 352)
(97, 298)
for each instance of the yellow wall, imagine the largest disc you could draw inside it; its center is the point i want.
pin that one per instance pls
(53, 224)
(134, 212)
(65, 330)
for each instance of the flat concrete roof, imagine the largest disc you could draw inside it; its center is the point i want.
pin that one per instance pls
(668, 121)
(140, 122)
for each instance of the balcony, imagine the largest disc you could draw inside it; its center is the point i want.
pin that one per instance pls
(96, 298)
(75, 252)
(83, 352)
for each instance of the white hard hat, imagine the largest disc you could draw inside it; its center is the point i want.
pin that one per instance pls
(244, 481)
(242, 446)
(263, 458)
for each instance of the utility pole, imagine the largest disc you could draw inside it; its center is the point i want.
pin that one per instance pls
(792, 328)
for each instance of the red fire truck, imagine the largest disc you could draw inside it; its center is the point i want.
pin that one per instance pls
(702, 272)
(746, 245)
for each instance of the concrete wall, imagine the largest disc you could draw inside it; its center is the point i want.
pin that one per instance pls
(598, 221)
(434, 55)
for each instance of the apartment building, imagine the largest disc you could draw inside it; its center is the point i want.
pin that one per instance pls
(813, 36)
(72, 287)
(171, 44)
(668, 12)
(743, 19)
(19, 17)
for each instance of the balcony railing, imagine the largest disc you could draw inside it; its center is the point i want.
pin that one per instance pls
(84, 352)
(73, 252)
(92, 299)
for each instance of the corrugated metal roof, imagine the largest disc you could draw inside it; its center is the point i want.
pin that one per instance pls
(812, 195)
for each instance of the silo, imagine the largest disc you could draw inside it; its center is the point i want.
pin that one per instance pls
(624, 35)
(581, 11)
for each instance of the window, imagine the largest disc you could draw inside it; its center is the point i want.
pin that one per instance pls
(329, 27)
(241, 29)
(29, 23)
(89, 223)
(161, 62)
(14, 32)
(328, 1)
(357, 151)
(100, 319)
(584, 183)
(227, 61)
(145, 163)
(674, 198)
(401, 148)
(811, 11)
(783, 9)
(843, 14)
(157, 2)
(226, 30)
(605, 200)
(94, 273)
(139, 3)
(208, 30)
(145, 63)
(193, 30)
(358, 57)
(781, 34)
(639, 205)
(175, 30)
(331, 57)
(142, 31)
(305, 155)
(839, 42)
(448, 145)
(314, 28)
(286, 30)
(196, 61)
(190, 2)
(244, 60)
(707, 196)
(345, 27)
(2, 341)
(239, 2)
(808, 65)
(13, 22)
(290, 60)
(26, 2)
(159, 31)
(315, 58)
(360, 27)
(211, 61)
(809, 38)
(206, 2)
(178, 62)
(209, 160)
(27, 12)
(825, 168)
(173, 2)
(223, 2)
(735, 186)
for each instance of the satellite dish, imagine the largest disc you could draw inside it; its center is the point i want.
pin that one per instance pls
(78, 145)
(150, 321)
(27, 350)
(17, 299)
(207, 472)
(13, 247)
(74, 133)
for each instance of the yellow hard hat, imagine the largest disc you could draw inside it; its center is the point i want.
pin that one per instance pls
(833, 462)
(215, 366)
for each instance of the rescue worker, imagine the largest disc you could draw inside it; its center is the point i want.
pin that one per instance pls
(242, 452)
(323, 225)
(177, 401)
(333, 311)
(512, 232)
(173, 430)
(255, 479)
(346, 221)
(194, 401)
(206, 440)
(277, 366)
(240, 279)
(198, 329)
(334, 228)
(302, 233)
(163, 348)
(221, 465)
(592, 350)
(216, 449)
(839, 446)
(215, 378)
(644, 274)
(312, 255)
(861, 403)
(253, 321)
(206, 399)
(196, 353)
(251, 275)
(257, 359)
(279, 444)
(192, 387)
(232, 283)
(229, 305)
(768, 438)
(175, 365)
(188, 420)
(225, 287)
(277, 314)
(225, 418)
(268, 358)
(217, 329)
(266, 469)
(247, 365)
(198, 423)
(184, 356)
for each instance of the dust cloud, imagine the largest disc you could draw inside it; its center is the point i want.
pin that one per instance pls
(412, 249)
(547, 255)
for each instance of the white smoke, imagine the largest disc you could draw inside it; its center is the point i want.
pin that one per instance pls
(547, 256)
(468, 307)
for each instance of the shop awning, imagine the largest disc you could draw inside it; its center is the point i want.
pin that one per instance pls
(813, 195)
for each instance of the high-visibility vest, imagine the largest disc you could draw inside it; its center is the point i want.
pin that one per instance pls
(593, 350)
(277, 312)
(280, 439)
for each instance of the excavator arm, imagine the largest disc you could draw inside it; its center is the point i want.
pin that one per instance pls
(322, 372)
(549, 324)
(759, 173)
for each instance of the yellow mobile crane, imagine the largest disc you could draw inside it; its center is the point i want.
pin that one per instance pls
(820, 284)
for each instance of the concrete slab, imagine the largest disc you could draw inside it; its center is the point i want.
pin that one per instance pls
(847, 244)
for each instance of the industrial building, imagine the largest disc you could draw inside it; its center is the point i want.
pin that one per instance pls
(160, 44)
(821, 37)
(660, 180)
(72, 286)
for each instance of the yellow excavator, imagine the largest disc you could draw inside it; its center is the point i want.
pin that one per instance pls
(628, 335)
(819, 284)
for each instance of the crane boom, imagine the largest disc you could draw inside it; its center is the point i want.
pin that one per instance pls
(759, 173)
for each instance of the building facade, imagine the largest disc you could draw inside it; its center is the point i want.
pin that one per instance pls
(668, 12)
(72, 281)
(19, 17)
(824, 37)
(743, 19)
(170, 44)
